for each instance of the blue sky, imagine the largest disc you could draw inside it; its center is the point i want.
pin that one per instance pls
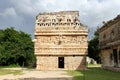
(21, 13)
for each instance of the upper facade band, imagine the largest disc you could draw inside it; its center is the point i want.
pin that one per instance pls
(62, 18)
(63, 22)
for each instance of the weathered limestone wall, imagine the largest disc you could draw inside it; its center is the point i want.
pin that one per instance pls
(51, 63)
(47, 63)
(106, 58)
(109, 34)
(109, 43)
(75, 62)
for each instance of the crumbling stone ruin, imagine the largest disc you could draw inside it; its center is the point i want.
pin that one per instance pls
(109, 43)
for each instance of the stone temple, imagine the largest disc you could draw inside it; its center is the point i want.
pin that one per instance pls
(109, 44)
(60, 41)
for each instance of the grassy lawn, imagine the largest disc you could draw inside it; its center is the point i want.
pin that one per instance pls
(94, 65)
(4, 71)
(95, 73)
(15, 72)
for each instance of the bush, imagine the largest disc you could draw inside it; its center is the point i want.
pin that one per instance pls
(16, 48)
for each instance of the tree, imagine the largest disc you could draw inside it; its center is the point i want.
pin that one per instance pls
(16, 47)
(93, 48)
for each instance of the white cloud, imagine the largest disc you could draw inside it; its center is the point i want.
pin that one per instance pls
(92, 12)
(9, 12)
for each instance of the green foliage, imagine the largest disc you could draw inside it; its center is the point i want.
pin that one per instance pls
(93, 48)
(11, 66)
(16, 48)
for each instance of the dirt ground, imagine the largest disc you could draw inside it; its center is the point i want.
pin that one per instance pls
(37, 75)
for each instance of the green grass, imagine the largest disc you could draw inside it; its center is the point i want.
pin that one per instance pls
(94, 65)
(4, 70)
(95, 73)
(7, 71)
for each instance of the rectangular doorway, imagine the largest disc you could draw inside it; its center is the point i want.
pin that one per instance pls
(115, 57)
(60, 62)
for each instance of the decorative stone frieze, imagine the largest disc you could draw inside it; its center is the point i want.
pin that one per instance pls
(60, 39)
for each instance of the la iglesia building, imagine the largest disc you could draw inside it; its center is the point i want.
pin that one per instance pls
(60, 41)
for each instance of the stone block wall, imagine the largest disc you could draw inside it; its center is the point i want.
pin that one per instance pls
(109, 43)
(70, 63)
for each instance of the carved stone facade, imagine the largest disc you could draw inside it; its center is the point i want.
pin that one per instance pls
(60, 41)
(109, 43)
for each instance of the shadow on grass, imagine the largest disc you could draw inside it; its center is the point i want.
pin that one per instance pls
(95, 73)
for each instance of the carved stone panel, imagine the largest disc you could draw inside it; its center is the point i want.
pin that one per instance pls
(63, 39)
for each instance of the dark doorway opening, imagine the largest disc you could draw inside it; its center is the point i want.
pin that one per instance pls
(60, 62)
(115, 57)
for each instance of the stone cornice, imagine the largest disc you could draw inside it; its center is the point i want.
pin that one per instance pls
(61, 12)
(110, 23)
(42, 54)
(109, 44)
